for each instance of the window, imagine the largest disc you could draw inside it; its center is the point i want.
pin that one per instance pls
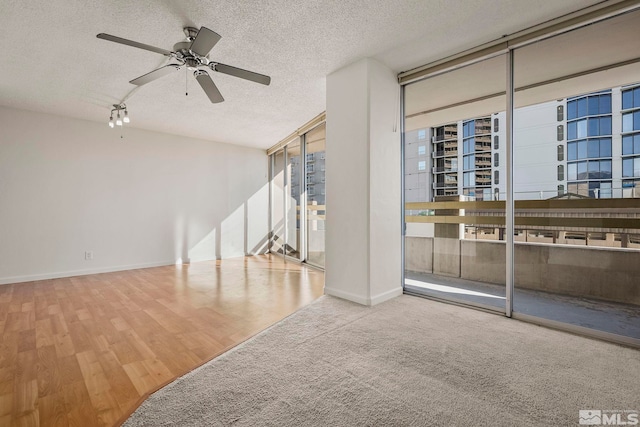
(469, 179)
(469, 162)
(422, 165)
(496, 125)
(468, 128)
(589, 148)
(496, 142)
(422, 150)
(560, 113)
(631, 98)
(631, 167)
(631, 144)
(422, 134)
(496, 160)
(560, 153)
(560, 172)
(631, 121)
(560, 132)
(560, 190)
(591, 105)
(496, 178)
(468, 145)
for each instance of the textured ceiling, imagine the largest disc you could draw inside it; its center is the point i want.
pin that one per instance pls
(52, 61)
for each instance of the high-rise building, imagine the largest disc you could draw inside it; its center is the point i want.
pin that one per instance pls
(587, 145)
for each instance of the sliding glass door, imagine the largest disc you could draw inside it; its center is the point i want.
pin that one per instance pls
(297, 180)
(454, 139)
(292, 199)
(577, 237)
(522, 180)
(277, 188)
(316, 210)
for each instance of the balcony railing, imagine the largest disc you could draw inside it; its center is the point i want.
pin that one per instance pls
(593, 215)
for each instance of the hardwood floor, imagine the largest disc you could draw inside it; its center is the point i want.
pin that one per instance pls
(86, 351)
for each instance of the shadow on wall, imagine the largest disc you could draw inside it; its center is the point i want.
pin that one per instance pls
(243, 232)
(76, 199)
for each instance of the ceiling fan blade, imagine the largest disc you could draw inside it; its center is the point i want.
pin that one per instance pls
(204, 41)
(120, 40)
(243, 74)
(155, 74)
(208, 86)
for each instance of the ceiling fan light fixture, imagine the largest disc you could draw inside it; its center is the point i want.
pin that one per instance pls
(120, 118)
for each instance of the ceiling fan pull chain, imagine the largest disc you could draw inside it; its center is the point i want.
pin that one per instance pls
(186, 81)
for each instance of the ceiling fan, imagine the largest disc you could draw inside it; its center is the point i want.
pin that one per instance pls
(194, 54)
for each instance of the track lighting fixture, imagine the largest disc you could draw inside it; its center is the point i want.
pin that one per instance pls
(120, 119)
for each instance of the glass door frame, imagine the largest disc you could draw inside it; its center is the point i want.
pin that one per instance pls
(286, 189)
(304, 186)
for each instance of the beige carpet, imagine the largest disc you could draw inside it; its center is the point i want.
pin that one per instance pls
(408, 361)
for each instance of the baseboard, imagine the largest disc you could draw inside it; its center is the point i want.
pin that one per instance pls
(346, 295)
(384, 296)
(364, 300)
(60, 274)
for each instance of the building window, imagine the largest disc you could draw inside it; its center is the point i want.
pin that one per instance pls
(422, 150)
(589, 105)
(496, 125)
(496, 160)
(468, 162)
(631, 98)
(631, 167)
(496, 177)
(422, 165)
(469, 179)
(631, 144)
(592, 169)
(631, 121)
(422, 134)
(560, 190)
(589, 151)
(496, 193)
(496, 142)
(589, 148)
(560, 113)
(560, 172)
(560, 132)
(560, 153)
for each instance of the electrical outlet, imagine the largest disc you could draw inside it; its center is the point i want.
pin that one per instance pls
(88, 256)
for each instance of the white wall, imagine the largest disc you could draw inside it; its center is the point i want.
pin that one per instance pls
(363, 227)
(68, 186)
(347, 161)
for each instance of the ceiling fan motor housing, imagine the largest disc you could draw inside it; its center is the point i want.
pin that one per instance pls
(191, 33)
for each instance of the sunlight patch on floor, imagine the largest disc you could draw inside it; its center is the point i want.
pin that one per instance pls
(449, 289)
